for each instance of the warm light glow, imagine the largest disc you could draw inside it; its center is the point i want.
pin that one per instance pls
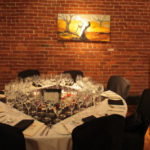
(85, 24)
(35, 93)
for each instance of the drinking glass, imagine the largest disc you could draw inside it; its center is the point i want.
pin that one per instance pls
(72, 107)
(79, 100)
(28, 106)
(57, 110)
(79, 78)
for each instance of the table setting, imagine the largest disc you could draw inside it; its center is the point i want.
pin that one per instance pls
(31, 98)
(56, 105)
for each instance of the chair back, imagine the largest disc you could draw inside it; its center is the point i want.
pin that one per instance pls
(119, 85)
(101, 133)
(11, 138)
(74, 73)
(137, 124)
(144, 105)
(28, 73)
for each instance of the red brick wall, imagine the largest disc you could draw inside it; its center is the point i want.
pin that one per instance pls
(28, 39)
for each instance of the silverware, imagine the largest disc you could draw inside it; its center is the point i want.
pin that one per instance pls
(65, 127)
(47, 131)
(43, 131)
(2, 116)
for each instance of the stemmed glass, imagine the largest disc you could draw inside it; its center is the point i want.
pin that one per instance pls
(79, 78)
(67, 79)
(57, 110)
(87, 100)
(20, 99)
(72, 107)
(80, 99)
(62, 106)
(37, 102)
(79, 103)
(28, 106)
(97, 90)
(58, 80)
(10, 94)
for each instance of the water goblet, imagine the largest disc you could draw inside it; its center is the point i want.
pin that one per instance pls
(79, 100)
(57, 110)
(79, 78)
(72, 107)
(28, 106)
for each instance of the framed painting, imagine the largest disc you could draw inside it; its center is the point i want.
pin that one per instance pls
(89, 28)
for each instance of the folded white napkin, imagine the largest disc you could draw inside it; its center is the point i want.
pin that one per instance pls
(33, 128)
(1, 109)
(111, 95)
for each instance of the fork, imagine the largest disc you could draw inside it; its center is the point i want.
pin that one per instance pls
(43, 131)
(47, 131)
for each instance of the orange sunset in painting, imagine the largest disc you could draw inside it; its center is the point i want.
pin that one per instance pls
(73, 27)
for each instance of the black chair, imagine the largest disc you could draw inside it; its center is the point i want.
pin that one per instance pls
(28, 73)
(74, 73)
(137, 124)
(119, 85)
(11, 138)
(104, 133)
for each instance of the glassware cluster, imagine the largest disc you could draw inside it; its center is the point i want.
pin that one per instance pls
(27, 96)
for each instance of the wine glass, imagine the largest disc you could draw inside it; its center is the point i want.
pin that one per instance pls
(21, 99)
(72, 107)
(58, 80)
(57, 110)
(28, 106)
(67, 79)
(87, 100)
(79, 78)
(62, 106)
(79, 98)
(10, 93)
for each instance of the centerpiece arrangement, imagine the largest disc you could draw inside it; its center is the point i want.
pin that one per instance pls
(51, 98)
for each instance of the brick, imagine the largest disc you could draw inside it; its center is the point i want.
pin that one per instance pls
(28, 39)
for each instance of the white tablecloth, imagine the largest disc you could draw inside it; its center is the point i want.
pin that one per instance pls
(59, 136)
(52, 141)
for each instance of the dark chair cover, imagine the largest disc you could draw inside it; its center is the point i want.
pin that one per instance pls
(28, 73)
(137, 124)
(74, 73)
(11, 138)
(101, 133)
(119, 85)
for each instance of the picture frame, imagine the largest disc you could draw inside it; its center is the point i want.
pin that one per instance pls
(52, 95)
(85, 28)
